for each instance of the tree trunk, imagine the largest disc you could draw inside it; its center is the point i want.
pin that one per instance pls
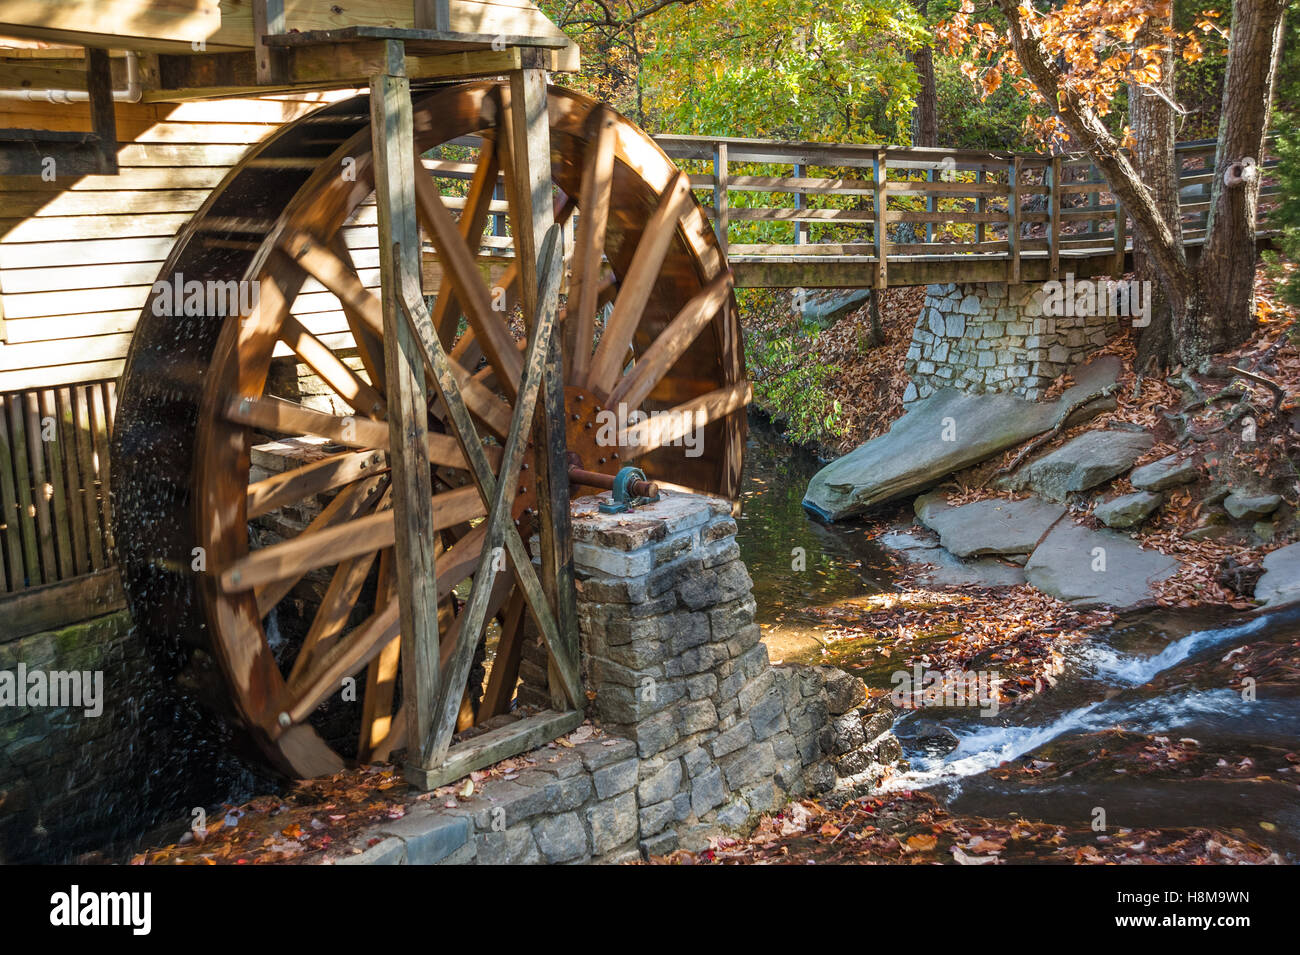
(1151, 115)
(876, 337)
(1089, 131)
(1226, 270)
(925, 115)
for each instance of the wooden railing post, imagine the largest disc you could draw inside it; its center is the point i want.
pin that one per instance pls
(720, 194)
(931, 205)
(1121, 238)
(981, 206)
(1054, 218)
(417, 586)
(800, 202)
(1014, 174)
(1094, 198)
(879, 176)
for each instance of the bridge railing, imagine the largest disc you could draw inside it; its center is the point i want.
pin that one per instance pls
(887, 204)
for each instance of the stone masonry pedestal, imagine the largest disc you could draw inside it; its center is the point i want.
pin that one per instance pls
(673, 661)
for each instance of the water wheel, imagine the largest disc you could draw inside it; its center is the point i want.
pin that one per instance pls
(649, 325)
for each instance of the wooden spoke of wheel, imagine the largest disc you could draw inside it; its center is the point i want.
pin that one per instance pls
(298, 484)
(668, 426)
(634, 387)
(377, 730)
(634, 292)
(260, 330)
(286, 417)
(502, 587)
(370, 343)
(466, 351)
(589, 244)
(490, 329)
(505, 668)
(473, 219)
(307, 552)
(355, 499)
(335, 607)
(330, 368)
(326, 267)
(349, 654)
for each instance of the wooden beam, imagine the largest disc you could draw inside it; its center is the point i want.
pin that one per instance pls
(530, 175)
(37, 609)
(432, 14)
(99, 81)
(399, 234)
(268, 20)
(880, 237)
(494, 746)
(1015, 172)
(721, 217)
(1054, 217)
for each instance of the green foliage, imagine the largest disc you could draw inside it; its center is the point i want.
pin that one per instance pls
(967, 122)
(788, 69)
(789, 386)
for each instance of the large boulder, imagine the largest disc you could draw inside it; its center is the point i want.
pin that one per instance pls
(1280, 583)
(1092, 458)
(946, 432)
(1096, 568)
(988, 527)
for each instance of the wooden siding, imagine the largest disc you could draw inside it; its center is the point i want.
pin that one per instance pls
(77, 259)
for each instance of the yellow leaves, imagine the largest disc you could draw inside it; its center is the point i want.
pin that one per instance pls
(991, 81)
(923, 842)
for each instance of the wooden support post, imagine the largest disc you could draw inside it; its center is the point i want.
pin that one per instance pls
(800, 202)
(417, 586)
(981, 206)
(103, 122)
(880, 238)
(433, 15)
(271, 65)
(1054, 219)
(1094, 198)
(1121, 238)
(1015, 173)
(931, 205)
(720, 177)
(530, 169)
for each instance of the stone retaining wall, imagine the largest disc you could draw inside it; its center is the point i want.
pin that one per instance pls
(991, 336)
(62, 771)
(695, 731)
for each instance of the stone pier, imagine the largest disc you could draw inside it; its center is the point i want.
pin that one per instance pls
(697, 732)
(984, 337)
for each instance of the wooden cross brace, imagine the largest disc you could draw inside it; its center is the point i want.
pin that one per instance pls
(497, 492)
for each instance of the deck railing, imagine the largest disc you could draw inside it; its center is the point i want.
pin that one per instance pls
(887, 203)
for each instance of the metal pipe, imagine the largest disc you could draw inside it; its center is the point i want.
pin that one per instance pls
(131, 94)
(638, 487)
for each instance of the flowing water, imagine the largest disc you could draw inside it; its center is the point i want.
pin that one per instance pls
(1149, 724)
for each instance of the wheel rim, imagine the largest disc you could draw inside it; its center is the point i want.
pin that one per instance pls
(614, 176)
